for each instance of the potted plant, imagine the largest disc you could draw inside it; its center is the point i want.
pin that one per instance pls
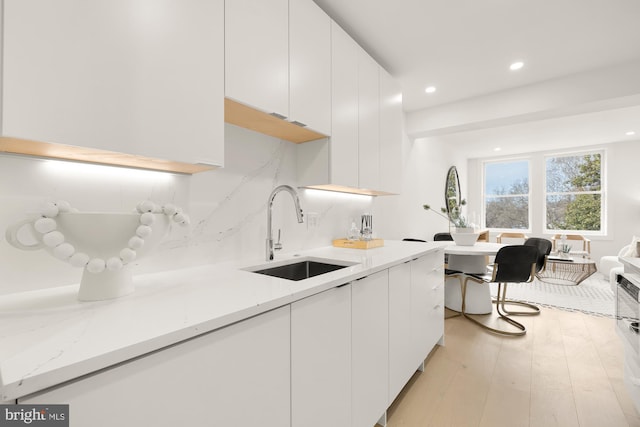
(454, 217)
(462, 225)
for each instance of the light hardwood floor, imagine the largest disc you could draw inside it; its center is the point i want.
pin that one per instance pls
(566, 371)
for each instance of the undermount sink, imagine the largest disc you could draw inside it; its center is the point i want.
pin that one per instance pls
(301, 269)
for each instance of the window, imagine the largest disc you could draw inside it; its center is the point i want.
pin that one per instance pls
(573, 196)
(506, 194)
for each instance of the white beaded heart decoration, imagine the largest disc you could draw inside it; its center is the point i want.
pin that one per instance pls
(53, 238)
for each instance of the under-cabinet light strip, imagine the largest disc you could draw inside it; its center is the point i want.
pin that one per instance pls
(93, 155)
(351, 190)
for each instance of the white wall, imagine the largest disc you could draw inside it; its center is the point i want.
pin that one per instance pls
(425, 166)
(227, 207)
(621, 191)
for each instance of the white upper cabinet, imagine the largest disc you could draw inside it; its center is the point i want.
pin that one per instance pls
(364, 154)
(257, 54)
(134, 76)
(278, 59)
(368, 122)
(310, 65)
(344, 110)
(390, 133)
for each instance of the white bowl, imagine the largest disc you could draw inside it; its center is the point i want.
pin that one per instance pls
(465, 239)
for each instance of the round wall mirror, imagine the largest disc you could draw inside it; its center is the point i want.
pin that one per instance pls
(452, 196)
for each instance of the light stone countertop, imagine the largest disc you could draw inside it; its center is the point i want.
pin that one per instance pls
(48, 337)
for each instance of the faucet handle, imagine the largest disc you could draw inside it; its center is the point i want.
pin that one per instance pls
(277, 246)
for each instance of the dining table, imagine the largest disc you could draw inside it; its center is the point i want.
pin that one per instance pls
(473, 260)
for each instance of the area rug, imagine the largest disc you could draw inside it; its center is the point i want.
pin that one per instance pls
(592, 296)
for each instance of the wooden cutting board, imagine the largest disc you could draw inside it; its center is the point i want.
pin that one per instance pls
(358, 244)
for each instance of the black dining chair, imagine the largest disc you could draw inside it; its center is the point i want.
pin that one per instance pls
(409, 239)
(442, 237)
(513, 264)
(544, 248)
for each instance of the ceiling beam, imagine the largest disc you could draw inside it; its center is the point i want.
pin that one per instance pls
(593, 91)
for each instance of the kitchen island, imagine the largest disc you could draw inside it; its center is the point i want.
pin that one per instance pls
(196, 331)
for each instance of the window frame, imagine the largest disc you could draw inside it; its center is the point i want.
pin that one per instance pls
(602, 192)
(530, 162)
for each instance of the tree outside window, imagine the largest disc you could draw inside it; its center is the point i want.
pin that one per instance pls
(574, 192)
(506, 194)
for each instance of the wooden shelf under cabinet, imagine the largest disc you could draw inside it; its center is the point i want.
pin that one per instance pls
(93, 155)
(247, 117)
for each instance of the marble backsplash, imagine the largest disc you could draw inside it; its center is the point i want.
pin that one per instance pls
(227, 208)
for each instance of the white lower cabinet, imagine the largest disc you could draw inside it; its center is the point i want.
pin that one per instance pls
(321, 359)
(338, 358)
(237, 376)
(369, 348)
(427, 288)
(402, 363)
(416, 316)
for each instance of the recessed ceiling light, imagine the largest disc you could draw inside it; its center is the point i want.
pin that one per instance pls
(497, 149)
(630, 133)
(430, 89)
(516, 66)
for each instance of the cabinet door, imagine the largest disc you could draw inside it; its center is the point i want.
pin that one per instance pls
(321, 359)
(390, 133)
(310, 65)
(427, 298)
(368, 122)
(257, 54)
(402, 363)
(236, 376)
(436, 297)
(130, 76)
(343, 155)
(370, 348)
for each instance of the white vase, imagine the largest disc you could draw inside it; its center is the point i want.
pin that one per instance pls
(465, 238)
(99, 235)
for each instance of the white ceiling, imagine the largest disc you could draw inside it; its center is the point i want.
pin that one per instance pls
(464, 48)
(548, 135)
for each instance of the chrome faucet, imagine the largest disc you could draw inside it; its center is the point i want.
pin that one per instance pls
(296, 201)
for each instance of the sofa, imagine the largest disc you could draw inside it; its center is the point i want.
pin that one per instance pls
(610, 266)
